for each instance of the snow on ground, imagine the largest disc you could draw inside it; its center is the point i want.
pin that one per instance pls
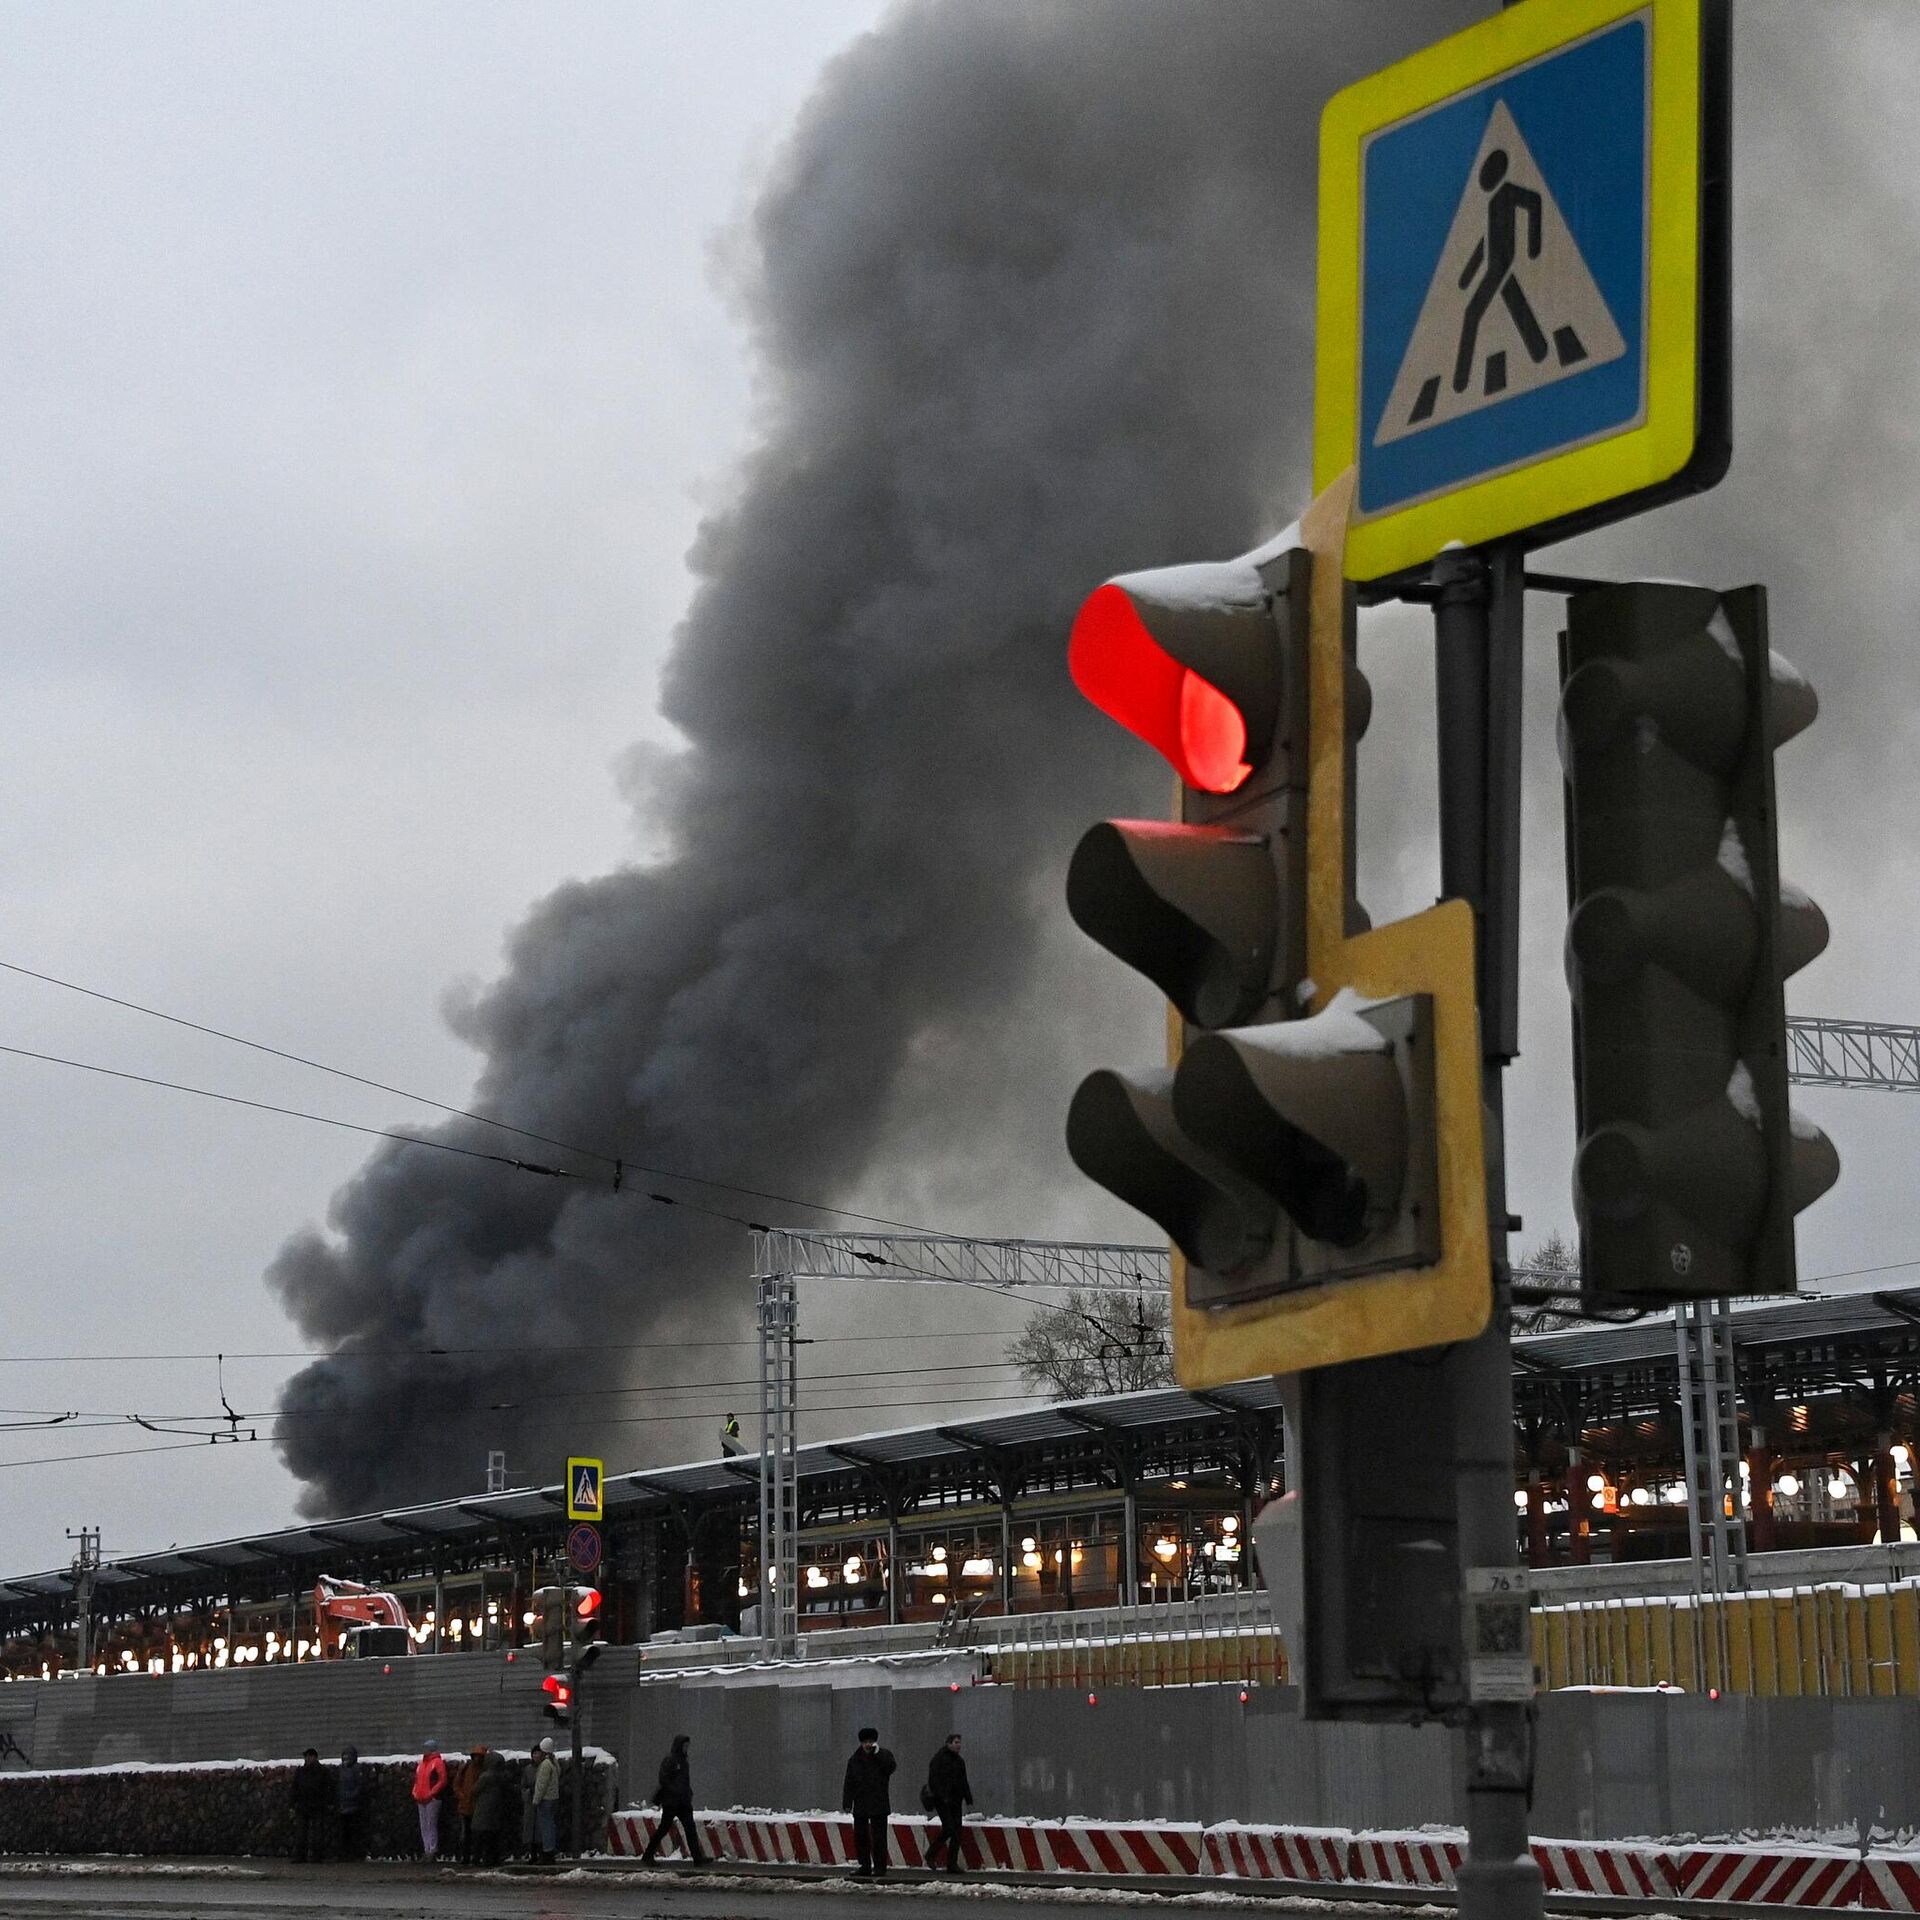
(122, 1865)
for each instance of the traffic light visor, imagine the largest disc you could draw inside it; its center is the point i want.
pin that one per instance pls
(587, 1605)
(1119, 664)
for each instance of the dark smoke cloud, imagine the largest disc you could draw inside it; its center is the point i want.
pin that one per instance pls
(1031, 299)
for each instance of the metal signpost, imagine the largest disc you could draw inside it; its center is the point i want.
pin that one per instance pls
(1524, 310)
(1522, 333)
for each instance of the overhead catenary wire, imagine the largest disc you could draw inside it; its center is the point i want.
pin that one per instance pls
(619, 1163)
(227, 1441)
(878, 1375)
(504, 1346)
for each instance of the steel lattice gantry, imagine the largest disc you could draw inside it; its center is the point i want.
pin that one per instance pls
(784, 1256)
(1853, 1053)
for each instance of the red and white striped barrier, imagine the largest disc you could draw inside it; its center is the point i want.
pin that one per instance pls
(1601, 1867)
(1786, 1875)
(1772, 1876)
(1890, 1882)
(1009, 1846)
(1405, 1859)
(1277, 1853)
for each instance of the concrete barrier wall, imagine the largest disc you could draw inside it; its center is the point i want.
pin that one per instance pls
(271, 1713)
(1611, 1765)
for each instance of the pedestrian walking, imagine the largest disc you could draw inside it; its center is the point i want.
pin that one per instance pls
(350, 1801)
(949, 1793)
(494, 1804)
(546, 1806)
(865, 1794)
(429, 1783)
(674, 1797)
(466, 1785)
(312, 1802)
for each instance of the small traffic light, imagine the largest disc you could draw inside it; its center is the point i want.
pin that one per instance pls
(1690, 1165)
(1292, 1148)
(588, 1627)
(550, 1605)
(559, 1702)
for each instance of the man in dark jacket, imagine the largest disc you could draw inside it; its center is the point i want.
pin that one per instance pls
(350, 1796)
(312, 1802)
(674, 1797)
(949, 1792)
(494, 1805)
(865, 1794)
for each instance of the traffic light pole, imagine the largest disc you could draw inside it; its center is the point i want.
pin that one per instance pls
(578, 1678)
(1478, 607)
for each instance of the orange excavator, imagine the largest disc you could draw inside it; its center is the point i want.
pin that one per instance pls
(362, 1622)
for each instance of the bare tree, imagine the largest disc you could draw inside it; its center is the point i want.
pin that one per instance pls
(1552, 1266)
(1096, 1343)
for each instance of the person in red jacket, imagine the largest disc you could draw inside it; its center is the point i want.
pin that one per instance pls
(429, 1783)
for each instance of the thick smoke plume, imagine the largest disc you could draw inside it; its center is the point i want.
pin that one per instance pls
(1030, 296)
(1031, 299)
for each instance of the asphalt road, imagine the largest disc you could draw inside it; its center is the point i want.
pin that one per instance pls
(269, 1891)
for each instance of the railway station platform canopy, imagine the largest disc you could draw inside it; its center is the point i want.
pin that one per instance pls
(1079, 1502)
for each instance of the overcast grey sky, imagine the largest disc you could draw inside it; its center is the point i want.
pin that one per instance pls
(363, 376)
(364, 380)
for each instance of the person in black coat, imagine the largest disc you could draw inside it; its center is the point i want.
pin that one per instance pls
(949, 1792)
(674, 1798)
(312, 1798)
(865, 1794)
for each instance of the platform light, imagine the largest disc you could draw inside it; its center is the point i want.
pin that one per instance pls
(1788, 1484)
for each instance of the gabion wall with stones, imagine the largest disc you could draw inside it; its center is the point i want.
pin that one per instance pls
(238, 1808)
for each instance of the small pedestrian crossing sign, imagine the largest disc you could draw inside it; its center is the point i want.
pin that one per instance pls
(585, 1487)
(1520, 326)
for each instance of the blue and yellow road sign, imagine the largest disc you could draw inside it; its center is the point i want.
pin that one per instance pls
(585, 1488)
(1522, 304)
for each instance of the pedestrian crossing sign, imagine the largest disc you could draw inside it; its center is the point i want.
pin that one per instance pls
(585, 1487)
(1523, 301)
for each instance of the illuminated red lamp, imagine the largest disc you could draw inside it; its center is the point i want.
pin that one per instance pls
(587, 1606)
(556, 1690)
(1093, 1699)
(1119, 665)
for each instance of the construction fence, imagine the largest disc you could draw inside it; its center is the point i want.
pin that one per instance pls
(1840, 1641)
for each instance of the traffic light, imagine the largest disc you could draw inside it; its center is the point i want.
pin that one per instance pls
(588, 1627)
(559, 1701)
(1690, 1166)
(550, 1605)
(1318, 1125)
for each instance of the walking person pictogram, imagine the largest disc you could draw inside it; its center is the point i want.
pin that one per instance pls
(1493, 259)
(1511, 296)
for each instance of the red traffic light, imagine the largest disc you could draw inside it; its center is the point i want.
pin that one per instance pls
(557, 1690)
(1118, 664)
(586, 1604)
